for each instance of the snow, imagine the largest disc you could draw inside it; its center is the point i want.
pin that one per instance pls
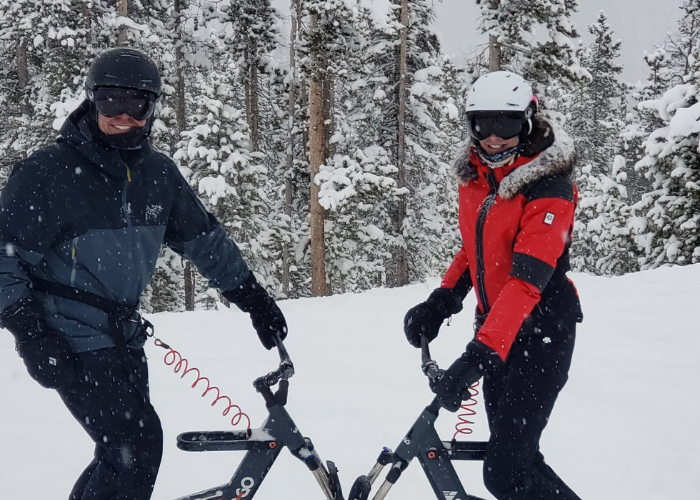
(624, 426)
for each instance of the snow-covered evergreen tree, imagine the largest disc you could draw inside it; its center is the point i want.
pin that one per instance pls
(540, 59)
(667, 217)
(671, 212)
(216, 161)
(358, 183)
(596, 120)
(47, 47)
(429, 230)
(254, 37)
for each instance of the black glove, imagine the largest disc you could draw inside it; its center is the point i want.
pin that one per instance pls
(46, 354)
(426, 317)
(266, 316)
(453, 387)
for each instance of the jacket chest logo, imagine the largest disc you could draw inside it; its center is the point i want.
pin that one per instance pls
(153, 212)
(549, 218)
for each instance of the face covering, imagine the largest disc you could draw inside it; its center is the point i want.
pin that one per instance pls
(128, 140)
(500, 159)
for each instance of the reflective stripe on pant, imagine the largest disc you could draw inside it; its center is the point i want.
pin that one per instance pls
(519, 399)
(125, 429)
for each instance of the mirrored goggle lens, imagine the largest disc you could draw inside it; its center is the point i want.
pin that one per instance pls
(114, 102)
(500, 125)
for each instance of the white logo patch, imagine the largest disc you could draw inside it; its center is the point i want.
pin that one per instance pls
(152, 212)
(450, 495)
(549, 218)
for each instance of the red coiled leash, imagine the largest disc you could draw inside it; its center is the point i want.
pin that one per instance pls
(468, 411)
(174, 358)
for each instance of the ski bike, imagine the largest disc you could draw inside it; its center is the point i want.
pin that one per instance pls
(422, 442)
(263, 445)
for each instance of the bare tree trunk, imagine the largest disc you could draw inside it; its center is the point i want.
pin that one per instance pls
(180, 124)
(251, 101)
(316, 125)
(88, 13)
(123, 10)
(23, 75)
(495, 54)
(190, 285)
(401, 271)
(328, 123)
(288, 185)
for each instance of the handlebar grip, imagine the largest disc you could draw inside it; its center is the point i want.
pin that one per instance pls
(430, 367)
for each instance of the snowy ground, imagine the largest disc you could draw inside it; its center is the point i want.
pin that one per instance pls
(625, 426)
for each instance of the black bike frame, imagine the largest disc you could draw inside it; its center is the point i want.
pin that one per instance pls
(263, 445)
(434, 455)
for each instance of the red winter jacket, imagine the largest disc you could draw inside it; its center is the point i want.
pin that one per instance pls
(516, 223)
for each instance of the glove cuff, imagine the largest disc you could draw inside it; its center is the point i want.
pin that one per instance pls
(483, 354)
(23, 320)
(249, 296)
(445, 301)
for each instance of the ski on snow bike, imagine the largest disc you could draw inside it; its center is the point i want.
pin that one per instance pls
(264, 444)
(422, 442)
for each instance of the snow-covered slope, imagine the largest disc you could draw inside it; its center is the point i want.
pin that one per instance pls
(625, 426)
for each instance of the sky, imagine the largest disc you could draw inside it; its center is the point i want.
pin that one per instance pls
(624, 426)
(640, 24)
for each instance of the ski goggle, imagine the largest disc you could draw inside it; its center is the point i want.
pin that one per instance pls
(504, 125)
(113, 101)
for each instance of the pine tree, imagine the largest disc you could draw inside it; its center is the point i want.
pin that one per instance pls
(597, 112)
(48, 46)
(255, 36)
(671, 211)
(429, 234)
(510, 25)
(667, 216)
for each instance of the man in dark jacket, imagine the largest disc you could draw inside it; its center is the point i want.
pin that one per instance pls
(516, 216)
(81, 226)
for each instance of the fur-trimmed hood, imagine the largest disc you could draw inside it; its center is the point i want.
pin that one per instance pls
(555, 157)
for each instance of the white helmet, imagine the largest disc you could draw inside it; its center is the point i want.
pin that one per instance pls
(500, 103)
(500, 91)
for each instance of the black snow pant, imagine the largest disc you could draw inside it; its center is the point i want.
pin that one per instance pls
(519, 399)
(121, 421)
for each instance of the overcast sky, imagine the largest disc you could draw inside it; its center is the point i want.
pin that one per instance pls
(640, 24)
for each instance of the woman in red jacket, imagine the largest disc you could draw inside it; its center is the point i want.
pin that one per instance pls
(516, 215)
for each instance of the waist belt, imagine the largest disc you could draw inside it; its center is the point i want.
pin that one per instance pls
(117, 314)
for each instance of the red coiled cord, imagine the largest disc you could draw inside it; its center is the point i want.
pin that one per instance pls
(464, 424)
(173, 357)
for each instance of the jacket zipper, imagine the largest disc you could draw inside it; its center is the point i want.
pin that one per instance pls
(74, 258)
(480, 222)
(125, 204)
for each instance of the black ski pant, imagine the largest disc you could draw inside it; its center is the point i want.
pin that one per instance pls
(117, 415)
(519, 399)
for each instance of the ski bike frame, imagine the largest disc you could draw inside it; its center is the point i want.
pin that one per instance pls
(264, 444)
(422, 442)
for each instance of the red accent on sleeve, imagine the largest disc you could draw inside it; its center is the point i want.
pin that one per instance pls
(459, 266)
(513, 305)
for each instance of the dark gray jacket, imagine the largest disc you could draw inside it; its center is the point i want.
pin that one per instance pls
(94, 219)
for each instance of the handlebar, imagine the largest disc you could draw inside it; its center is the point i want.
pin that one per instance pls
(284, 372)
(429, 366)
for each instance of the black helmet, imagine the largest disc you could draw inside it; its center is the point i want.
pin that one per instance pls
(124, 68)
